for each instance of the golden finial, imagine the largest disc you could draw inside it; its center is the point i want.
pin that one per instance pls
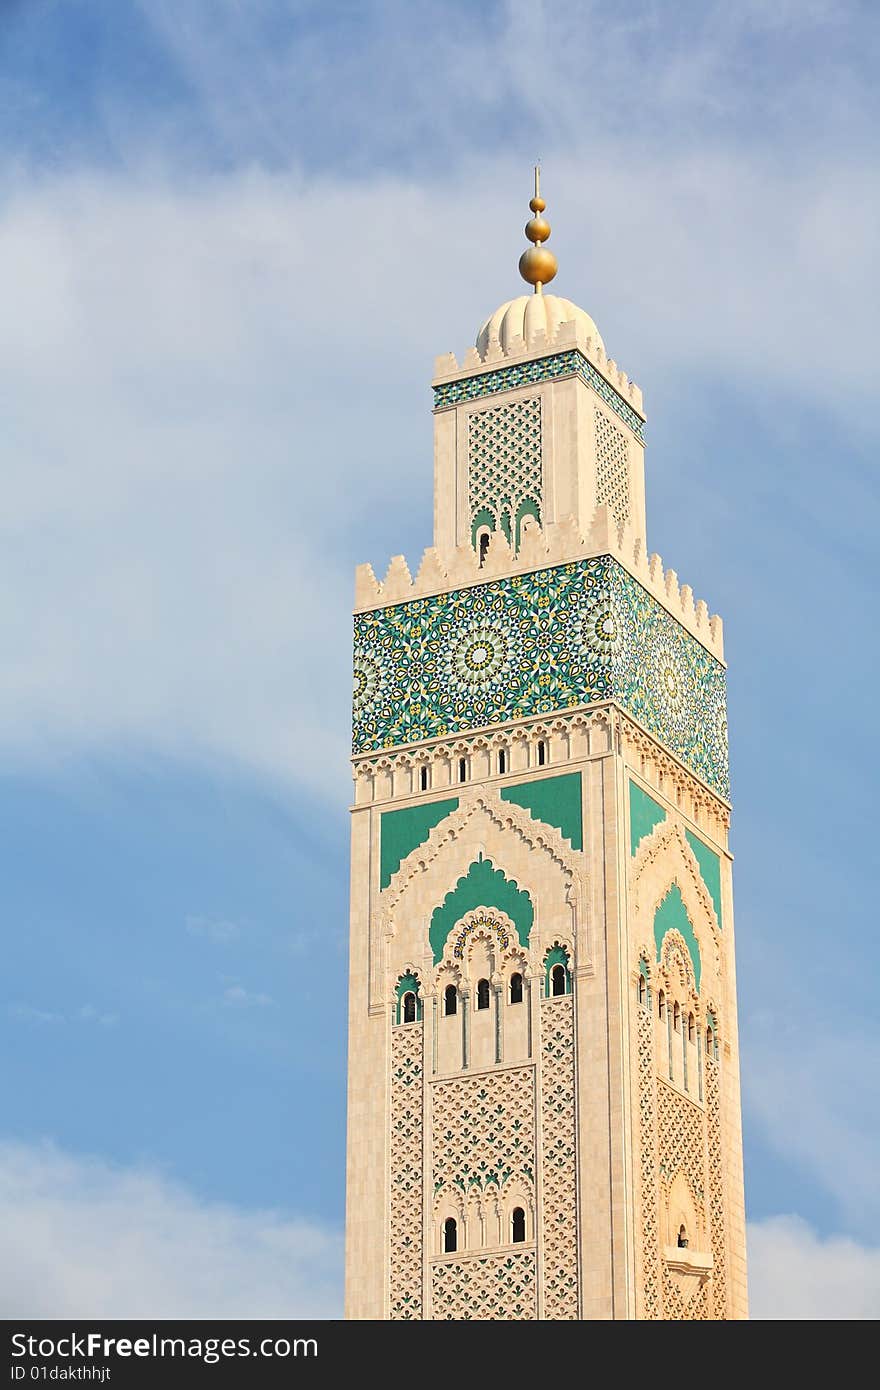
(537, 265)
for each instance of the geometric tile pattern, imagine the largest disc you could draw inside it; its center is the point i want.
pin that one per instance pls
(538, 643)
(612, 468)
(559, 1160)
(504, 462)
(406, 1172)
(500, 1288)
(552, 368)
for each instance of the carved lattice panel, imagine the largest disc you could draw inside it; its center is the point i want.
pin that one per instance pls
(405, 1216)
(484, 1129)
(612, 468)
(681, 1144)
(493, 1287)
(716, 1192)
(648, 1154)
(559, 1160)
(504, 459)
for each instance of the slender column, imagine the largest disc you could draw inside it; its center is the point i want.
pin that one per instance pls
(669, 1038)
(700, 1061)
(465, 1028)
(498, 1005)
(684, 1051)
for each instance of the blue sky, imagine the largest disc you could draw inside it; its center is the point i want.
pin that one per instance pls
(232, 239)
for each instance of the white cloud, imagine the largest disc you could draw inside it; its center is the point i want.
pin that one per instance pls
(793, 1273)
(808, 1089)
(86, 1239)
(89, 1239)
(213, 411)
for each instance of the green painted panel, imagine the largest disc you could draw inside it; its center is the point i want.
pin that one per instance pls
(403, 831)
(557, 955)
(672, 915)
(482, 518)
(482, 886)
(554, 800)
(644, 814)
(710, 870)
(404, 985)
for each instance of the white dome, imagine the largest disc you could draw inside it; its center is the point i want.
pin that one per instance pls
(521, 317)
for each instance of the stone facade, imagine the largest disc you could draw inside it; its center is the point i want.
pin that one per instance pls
(543, 1072)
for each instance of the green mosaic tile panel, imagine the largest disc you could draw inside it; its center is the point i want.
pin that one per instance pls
(534, 644)
(560, 364)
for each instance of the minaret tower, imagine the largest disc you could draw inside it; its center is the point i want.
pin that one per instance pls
(544, 1113)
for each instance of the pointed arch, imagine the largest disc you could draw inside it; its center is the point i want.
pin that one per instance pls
(482, 886)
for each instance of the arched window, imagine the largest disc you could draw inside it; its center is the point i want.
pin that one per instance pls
(710, 1042)
(557, 980)
(502, 760)
(661, 1004)
(692, 1028)
(516, 983)
(484, 546)
(642, 989)
(462, 769)
(682, 1238)
(409, 1007)
(482, 994)
(676, 1018)
(450, 1000)
(542, 752)
(450, 1235)
(518, 1225)
(423, 777)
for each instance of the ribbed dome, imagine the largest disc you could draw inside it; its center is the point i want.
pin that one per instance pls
(529, 312)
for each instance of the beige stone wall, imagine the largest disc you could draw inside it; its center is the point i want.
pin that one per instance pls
(599, 905)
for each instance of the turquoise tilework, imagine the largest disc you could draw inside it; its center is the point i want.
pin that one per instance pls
(536, 644)
(560, 364)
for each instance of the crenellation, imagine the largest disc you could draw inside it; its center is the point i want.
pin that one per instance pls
(367, 589)
(431, 573)
(568, 336)
(398, 582)
(557, 543)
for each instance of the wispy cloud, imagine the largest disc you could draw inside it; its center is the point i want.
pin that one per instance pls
(810, 1091)
(179, 529)
(86, 1013)
(218, 930)
(237, 997)
(87, 1239)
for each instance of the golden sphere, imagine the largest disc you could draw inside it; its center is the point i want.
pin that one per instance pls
(537, 265)
(537, 229)
(537, 204)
